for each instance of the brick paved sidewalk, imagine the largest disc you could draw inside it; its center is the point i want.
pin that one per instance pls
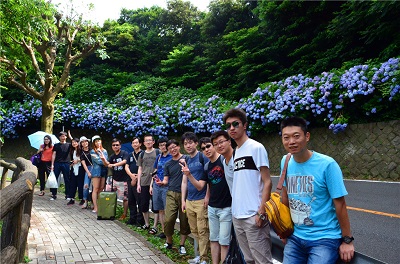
(69, 234)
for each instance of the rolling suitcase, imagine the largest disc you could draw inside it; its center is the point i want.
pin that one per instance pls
(107, 204)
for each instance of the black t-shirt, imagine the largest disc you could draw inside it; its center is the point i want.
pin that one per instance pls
(85, 155)
(220, 197)
(62, 152)
(132, 162)
(119, 173)
(173, 170)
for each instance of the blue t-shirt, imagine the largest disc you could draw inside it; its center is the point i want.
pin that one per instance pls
(197, 170)
(311, 187)
(159, 164)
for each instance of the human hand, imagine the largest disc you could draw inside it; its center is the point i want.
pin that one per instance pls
(346, 251)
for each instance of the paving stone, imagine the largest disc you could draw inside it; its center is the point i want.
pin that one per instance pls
(61, 234)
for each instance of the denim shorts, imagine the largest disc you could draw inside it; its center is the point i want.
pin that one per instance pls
(220, 224)
(299, 250)
(159, 197)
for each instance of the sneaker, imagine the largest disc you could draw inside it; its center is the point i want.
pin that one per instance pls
(167, 246)
(131, 222)
(71, 202)
(196, 260)
(68, 199)
(81, 202)
(182, 250)
(161, 235)
(53, 197)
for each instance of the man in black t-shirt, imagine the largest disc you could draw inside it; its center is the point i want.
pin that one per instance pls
(117, 162)
(60, 162)
(131, 168)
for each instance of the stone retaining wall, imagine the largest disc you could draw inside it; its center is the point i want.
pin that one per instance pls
(369, 151)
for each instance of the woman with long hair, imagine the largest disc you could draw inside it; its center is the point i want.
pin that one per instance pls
(45, 162)
(87, 165)
(76, 176)
(97, 180)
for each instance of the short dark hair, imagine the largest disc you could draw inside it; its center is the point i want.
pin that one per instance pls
(62, 133)
(295, 121)
(189, 136)
(204, 140)
(219, 133)
(236, 112)
(162, 140)
(172, 141)
(116, 140)
(138, 138)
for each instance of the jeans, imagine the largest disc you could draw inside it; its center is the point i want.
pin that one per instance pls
(135, 215)
(299, 250)
(86, 184)
(220, 224)
(77, 182)
(64, 168)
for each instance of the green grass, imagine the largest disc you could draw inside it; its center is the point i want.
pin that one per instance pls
(158, 243)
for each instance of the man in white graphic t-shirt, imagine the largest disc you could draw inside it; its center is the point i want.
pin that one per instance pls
(250, 191)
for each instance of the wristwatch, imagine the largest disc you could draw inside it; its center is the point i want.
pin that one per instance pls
(261, 216)
(347, 239)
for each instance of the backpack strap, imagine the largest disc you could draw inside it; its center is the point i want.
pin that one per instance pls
(283, 175)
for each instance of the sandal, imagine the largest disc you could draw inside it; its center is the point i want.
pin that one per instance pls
(144, 227)
(41, 193)
(153, 231)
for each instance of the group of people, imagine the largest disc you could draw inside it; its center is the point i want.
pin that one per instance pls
(225, 184)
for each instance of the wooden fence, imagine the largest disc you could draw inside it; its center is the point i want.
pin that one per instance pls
(15, 208)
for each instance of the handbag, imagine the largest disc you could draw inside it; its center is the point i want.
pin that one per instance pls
(235, 255)
(52, 181)
(36, 159)
(278, 213)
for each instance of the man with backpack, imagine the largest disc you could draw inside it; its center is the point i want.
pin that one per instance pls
(195, 201)
(145, 163)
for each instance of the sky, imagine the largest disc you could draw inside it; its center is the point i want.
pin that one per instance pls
(104, 9)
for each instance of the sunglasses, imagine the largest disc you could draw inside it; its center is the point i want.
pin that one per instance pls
(206, 147)
(115, 145)
(235, 124)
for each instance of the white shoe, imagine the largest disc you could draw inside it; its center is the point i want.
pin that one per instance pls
(196, 260)
(68, 199)
(182, 250)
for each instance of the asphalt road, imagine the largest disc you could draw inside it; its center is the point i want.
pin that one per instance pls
(374, 211)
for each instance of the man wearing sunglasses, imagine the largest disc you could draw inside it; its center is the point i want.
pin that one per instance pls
(120, 178)
(196, 201)
(250, 191)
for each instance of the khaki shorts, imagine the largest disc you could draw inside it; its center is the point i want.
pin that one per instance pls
(120, 187)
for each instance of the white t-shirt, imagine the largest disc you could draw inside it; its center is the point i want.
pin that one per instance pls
(228, 169)
(247, 182)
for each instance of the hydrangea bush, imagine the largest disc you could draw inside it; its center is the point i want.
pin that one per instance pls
(332, 99)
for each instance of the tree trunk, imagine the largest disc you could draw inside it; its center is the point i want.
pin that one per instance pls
(47, 116)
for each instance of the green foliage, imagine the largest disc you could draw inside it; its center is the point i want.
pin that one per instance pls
(149, 89)
(87, 91)
(175, 96)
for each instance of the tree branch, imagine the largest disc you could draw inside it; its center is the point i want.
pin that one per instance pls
(22, 76)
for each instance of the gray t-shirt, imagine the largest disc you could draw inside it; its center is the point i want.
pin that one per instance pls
(173, 170)
(147, 163)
